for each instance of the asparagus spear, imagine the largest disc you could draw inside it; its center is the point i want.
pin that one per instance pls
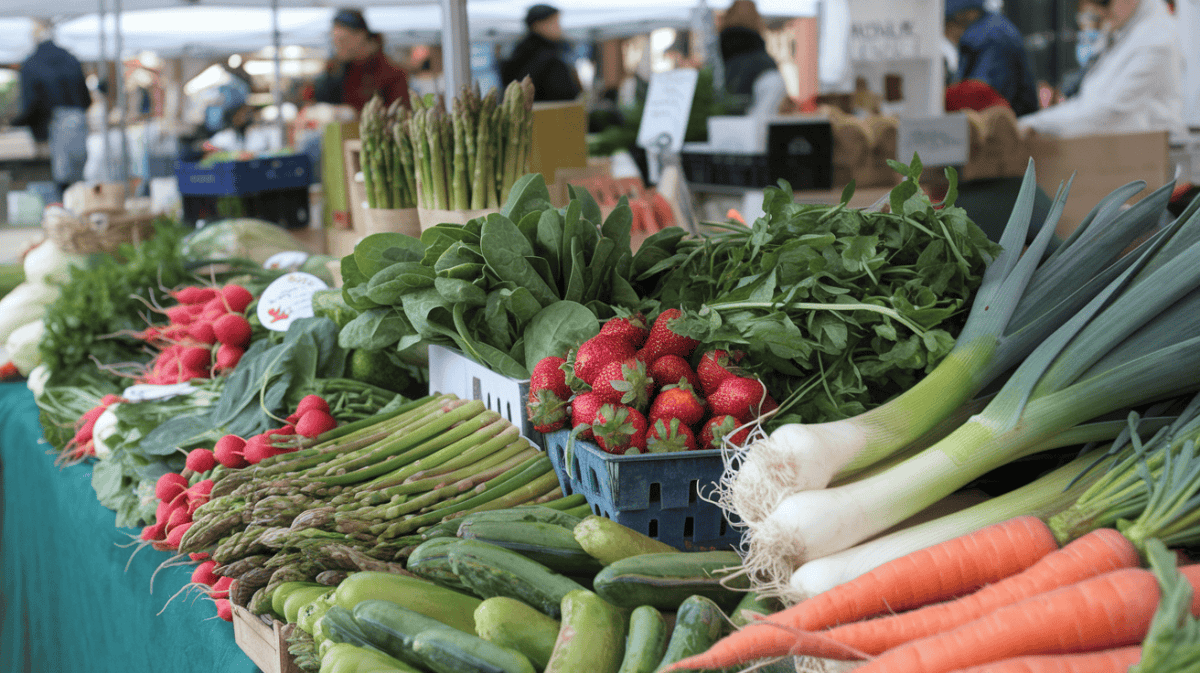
(459, 123)
(446, 140)
(483, 159)
(512, 137)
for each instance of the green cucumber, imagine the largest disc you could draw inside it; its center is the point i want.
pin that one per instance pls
(510, 623)
(431, 560)
(753, 604)
(524, 513)
(592, 637)
(446, 651)
(339, 626)
(391, 628)
(647, 641)
(448, 606)
(609, 541)
(490, 571)
(665, 580)
(551, 545)
(698, 624)
(347, 658)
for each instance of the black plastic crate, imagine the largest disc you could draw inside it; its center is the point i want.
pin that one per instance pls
(288, 208)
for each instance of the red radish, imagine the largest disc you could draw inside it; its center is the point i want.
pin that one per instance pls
(257, 448)
(233, 330)
(291, 420)
(202, 332)
(84, 434)
(310, 402)
(178, 516)
(180, 315)
(286, 431)
(228, 451)
(203, 574)
(221, 587)
(109, 400)
(163, 511)
(194, 295)
(315, 422)
(154, 531)
(196, 359)
(665, 341)
(224, 609)
(584, 409)
(198, 556)
(175, 534)
(632, 329)
(200, 460)
(671, 369)
(228, 356)
(236, 297)
(739, 397)
(169, 486)
(94, 413)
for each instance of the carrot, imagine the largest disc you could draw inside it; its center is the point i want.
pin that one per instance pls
(1109, 611)
(941, 572)
(1096, 553)
(1105, 661)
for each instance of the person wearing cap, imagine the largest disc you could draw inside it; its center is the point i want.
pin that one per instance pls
(753, 83)
(991, 50)
(359, 69)
(539, 55)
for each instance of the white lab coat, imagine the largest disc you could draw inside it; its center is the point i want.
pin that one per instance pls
(1136, 85)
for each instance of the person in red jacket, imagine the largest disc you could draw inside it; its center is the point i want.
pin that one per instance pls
(359, 69)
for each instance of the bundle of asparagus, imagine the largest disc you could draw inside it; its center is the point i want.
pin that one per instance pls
(470, 158)
(387, 162)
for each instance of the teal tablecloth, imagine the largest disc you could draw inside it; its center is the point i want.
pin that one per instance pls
(68, 604)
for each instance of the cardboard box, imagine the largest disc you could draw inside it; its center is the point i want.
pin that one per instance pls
(559, 138)
(333, 172)
(1101, 163)
(266, 645)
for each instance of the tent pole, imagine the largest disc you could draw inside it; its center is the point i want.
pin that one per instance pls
(276, 86)
(102, 72)
(122, 106)
(456, 64)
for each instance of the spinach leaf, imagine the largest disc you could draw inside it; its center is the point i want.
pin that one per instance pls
(576, 283)
(599, 272)
(505, 249)
(428, 312)
(456, 290)
(589, 209)
(521, 303)
(549, 241)
(374, 330)
(528, 195)
(619, 225)
(528, 226)
(378, 251)
(556, 329)
(543, 269)
(389, 285)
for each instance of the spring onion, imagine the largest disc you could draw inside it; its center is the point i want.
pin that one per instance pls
(1173, 643)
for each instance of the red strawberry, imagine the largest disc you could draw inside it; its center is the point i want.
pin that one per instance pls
(671, 369)
(677, 401)
(665, 341)
(714, 432)
(598, 351)
(584, 408)
(632, 329)
(619, 429)
(737, 396)
(547, 411)
(625, 382)
(669, 435)
(716, 366)
(548, 375)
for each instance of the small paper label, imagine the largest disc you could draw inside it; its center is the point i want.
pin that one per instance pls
(145, 392)
(288, 298)
(289, 261)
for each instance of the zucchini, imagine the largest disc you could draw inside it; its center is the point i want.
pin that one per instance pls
(665, 580)
(551, 545)
(339, 626)
(524, 513)
(753, 604)
(647, 641)
(698, 624)
(510, 623)
(448, 606)
(491, 571)
(609, 541)
(592, 637)
(347, 658)
(391, 628)
(431, 560)
(301, 597)
(309, 614)
(281, 593)
(447, 651)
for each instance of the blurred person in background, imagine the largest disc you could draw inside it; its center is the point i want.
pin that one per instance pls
(359, 69)
(1133, 81)
(54, 103)
(753, 84)
(539, 55)
(991, 50)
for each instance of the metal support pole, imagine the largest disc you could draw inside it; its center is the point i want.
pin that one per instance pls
(456, 47)
(102, 72)
(122, 102)
(276, 86)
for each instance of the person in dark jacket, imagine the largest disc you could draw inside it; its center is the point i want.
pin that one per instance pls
(359, 68)
(752, 79)
(539, 55)
(54, 102)
(992, 50)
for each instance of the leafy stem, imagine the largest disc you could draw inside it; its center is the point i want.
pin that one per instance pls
(814, 306)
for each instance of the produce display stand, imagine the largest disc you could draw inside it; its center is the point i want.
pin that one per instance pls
(265, 644)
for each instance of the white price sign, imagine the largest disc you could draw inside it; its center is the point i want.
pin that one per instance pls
(668, 106)
(145, 392)
(938, 141)
(288, 298)
(290, 260)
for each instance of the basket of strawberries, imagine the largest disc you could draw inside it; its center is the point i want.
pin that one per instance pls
(632, 425)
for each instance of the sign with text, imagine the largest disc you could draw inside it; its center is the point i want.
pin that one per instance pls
(938, 141)
(884, 40)
(668, 106)
(287, 299)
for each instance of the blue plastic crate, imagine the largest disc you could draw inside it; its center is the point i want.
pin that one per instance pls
(657, 494)
(234, 178)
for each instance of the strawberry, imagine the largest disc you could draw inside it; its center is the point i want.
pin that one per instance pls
(548, 375)
(547, 411)
(584, 408)
(576, 384)
(718, 428)
(716, 366)
(625, 382)
(737, 396)
(632, 329)
(619, 429)
(669, 435)
(671, 369)
(665, 341)
(677, 401)
(598, 351)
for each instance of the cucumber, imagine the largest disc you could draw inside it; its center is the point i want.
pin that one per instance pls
(339, 626)
(491, 571)
(391, 628)
(431, 560)
(448, 606)
(609, 541)
(283, 591)
(753, 604)
(551, 545)
(347, 658)
(698, 624)
(592, 637)
(665, 580)
(510, 623)
(524, 513)
(647, 641)
(446, 651)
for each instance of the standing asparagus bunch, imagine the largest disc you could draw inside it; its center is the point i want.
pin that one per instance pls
(387, 162)
(469, 157)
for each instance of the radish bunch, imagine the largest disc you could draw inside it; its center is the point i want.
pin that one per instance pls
(83, 444)
(310, 419)
(178, 500)
(206, 334)
(218, 587)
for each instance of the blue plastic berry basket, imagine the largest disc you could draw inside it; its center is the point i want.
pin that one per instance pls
(656, 494)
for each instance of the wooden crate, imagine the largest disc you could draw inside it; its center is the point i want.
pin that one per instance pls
(266, 645)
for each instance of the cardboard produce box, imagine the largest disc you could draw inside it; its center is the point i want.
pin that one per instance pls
(334, 182)
(559, 141)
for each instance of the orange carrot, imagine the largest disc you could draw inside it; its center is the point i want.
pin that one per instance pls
(1105, 612)
(1096, 553)
(941, 572)
(1105, 661)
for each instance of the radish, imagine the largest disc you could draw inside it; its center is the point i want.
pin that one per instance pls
(228, 451)
(194, 295)
(163, 511)
(84, 434)
(169, 486)
(176, 534)
(201, 489)
(200, 460)
(228, 356)
(202, 331)
(291, 420)
(224, 609)
(286, 431)
(196, 359)
(221, 587)
(310, 402)
(180, 315)
(314, 423)
(198, 556)
(203, 574)
(233, 330)
(236, 297)
(154, 532)
(257, 449)
(179, 515)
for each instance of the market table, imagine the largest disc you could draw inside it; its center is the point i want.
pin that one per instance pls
(68, 604)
